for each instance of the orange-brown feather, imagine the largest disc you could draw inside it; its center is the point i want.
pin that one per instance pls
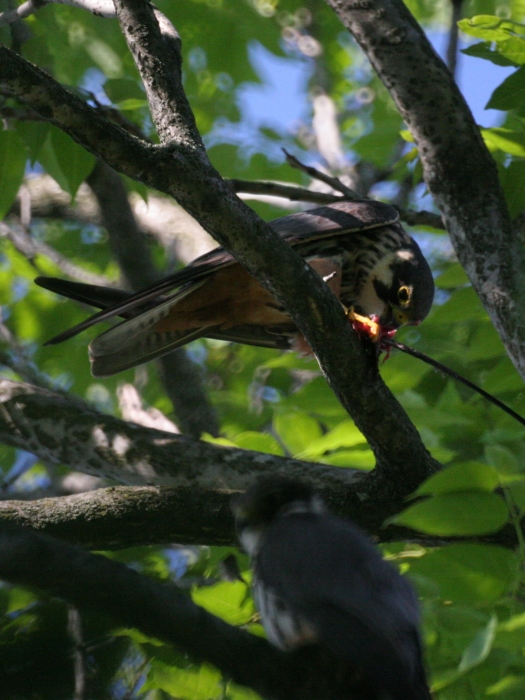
(233, 297)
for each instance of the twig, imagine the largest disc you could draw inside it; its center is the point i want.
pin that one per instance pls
(301, 194)
(333, 182)
(29, 247)
(291, 192)
(421, 218)
(450, 373)
(16, 358)
(453, 35)
(74, 630)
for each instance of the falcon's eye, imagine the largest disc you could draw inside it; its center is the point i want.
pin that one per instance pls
(403, 295)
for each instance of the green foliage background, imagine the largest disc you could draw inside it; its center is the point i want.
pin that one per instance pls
(472, 594)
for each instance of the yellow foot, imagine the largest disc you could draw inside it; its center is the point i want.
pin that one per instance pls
(364, 325)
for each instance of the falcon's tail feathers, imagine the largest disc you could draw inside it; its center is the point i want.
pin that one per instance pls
(91, 294)
(144, 347)
(136, 340)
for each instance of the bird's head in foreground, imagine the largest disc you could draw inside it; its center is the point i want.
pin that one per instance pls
(319, 580)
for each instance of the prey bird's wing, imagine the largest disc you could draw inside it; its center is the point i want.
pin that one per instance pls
(335, 220)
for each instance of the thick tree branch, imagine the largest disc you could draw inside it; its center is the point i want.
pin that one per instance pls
(162, 611)
(182, 379)
(202, 476)
(118, 517)
(185, 173)
(458, 169)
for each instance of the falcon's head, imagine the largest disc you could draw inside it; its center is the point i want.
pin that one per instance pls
(399, 288)
(255, 509)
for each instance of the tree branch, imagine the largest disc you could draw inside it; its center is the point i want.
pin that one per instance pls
(185, 173)
(201, 476)
(31, 247)
(458, 169)
(163, 612)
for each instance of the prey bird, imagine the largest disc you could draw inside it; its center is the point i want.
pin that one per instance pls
(318, 580)
(359, 248)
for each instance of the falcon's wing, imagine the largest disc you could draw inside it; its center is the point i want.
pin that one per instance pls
(308, 226)
(328, 572)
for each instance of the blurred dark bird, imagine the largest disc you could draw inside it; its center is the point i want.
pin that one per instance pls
(317, 579)
(359, 249)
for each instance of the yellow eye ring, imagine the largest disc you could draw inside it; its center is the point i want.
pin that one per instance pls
(403, 295)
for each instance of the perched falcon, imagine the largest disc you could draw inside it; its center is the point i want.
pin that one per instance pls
(317, 579)
(358, 248)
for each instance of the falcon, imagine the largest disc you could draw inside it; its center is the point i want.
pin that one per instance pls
(318, 579)
(358, 248)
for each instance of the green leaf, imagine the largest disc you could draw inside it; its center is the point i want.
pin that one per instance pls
(454, 276)
(259, 442)
(12, 166)
(406, 136)
(351, 459)
(502, 378)
(512, 49)
(470, 476)
(346, 434)
(463, 305)
(511, 684)
(483, 50)
(513, 183)
(48, 160)
(74, 161)
(517, 493)
(506, 140)
(34, 135)
(19, 599)
(480, 647)
(402, 372)
(196, 683)
(490, 27)
(297, 430)
(226, 600)
(510, 94)
(502, 459)
(130, 105)
(121, 89)
(454, 514)
(468, 573)
(317, 397)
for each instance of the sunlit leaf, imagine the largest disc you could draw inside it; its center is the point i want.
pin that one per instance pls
(226, 600)
(296, 430)
(346, 434)
(259, 442)
(508, 141)
(480, 647)
(197, 683)
(463, 513)
(470, 476)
